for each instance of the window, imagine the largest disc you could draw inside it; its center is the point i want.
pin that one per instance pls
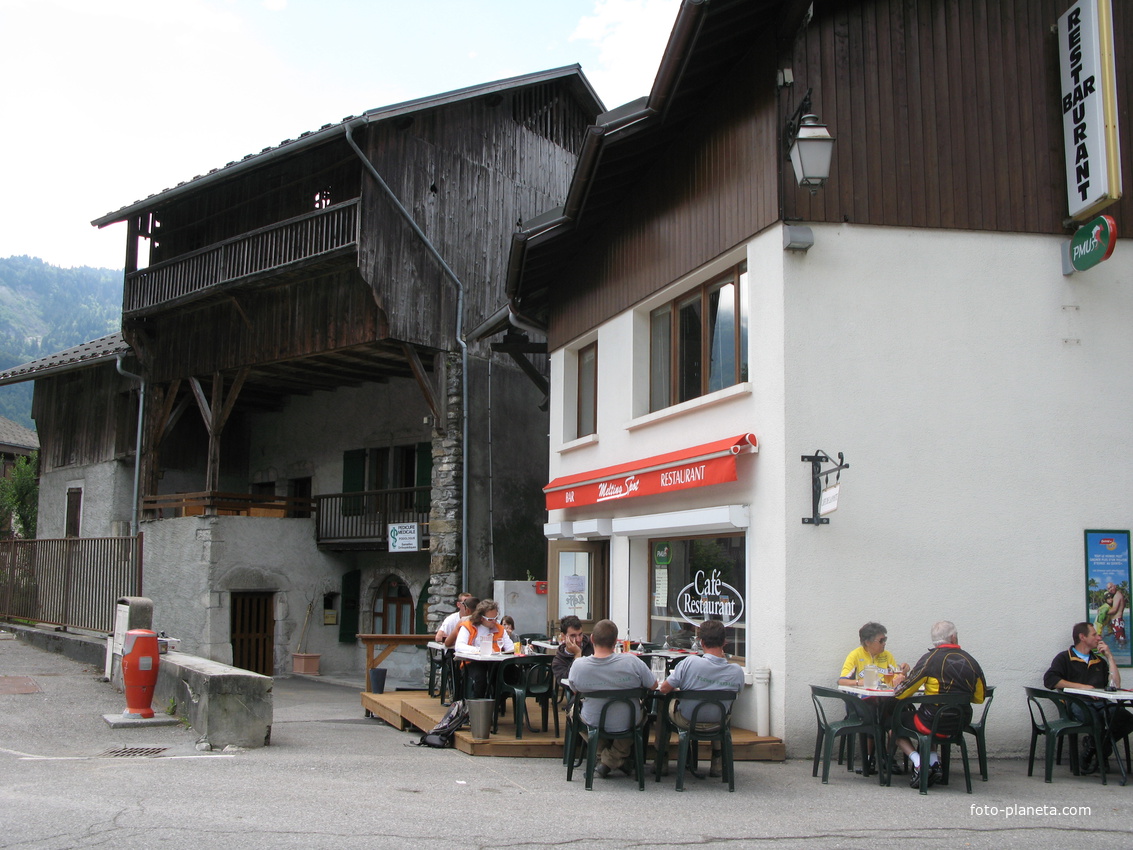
(393, 608)
(74, 512)
(698, 342)
(694, 579)
(587, 404)
(408, 469)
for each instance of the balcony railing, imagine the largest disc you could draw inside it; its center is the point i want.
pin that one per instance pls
(306, 237)
(226, 504)
(73, 582)
(365, 517)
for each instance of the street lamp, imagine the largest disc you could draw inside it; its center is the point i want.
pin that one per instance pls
(810, 147)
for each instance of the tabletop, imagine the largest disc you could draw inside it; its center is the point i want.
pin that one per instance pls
(1120, 695)
(495, 656)
(866, 692)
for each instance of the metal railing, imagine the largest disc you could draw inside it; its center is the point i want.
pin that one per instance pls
(73, 582)
(270, 248)
(365, 516)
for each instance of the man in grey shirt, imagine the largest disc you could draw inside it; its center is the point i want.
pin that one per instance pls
(606, 670)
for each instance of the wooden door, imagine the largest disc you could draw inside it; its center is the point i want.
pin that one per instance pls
(253, 629)
(578, 578)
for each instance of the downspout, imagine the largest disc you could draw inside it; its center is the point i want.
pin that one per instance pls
(451, 275)
(138, 443)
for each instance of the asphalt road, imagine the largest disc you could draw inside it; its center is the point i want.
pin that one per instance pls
(333, 778)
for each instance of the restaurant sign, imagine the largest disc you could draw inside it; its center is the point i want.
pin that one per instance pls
(1093, 243)
(707, 597)
(1089, 107)
(698, 466)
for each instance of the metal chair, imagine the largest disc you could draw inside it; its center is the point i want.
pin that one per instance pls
(860, 719)
(952, 716)
(710, 704)
(630, 699)
(976, 728)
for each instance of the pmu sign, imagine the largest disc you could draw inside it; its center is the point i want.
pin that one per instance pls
(1093, 243)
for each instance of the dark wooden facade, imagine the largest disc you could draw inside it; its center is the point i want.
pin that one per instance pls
(946, 114)
(86, 416)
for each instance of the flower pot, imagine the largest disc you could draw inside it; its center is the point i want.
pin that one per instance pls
(305, 662)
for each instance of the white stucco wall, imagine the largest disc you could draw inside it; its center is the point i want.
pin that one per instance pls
(108, 487)
(980, 398)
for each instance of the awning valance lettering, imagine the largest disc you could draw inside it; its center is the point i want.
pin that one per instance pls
(698, 466)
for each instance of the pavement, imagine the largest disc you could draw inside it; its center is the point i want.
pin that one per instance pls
(334, 778)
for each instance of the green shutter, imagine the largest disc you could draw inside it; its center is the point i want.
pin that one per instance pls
(351, 591)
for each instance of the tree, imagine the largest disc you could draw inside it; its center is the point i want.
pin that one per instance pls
(19, 495)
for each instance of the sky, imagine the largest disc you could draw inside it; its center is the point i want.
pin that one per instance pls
(105, 102)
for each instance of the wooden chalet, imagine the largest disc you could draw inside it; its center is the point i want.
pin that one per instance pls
(295, 322)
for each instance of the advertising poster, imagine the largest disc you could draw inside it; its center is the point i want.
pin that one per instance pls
(1107, 589)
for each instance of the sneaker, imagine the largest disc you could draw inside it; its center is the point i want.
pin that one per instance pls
(601, 771)
(897, 767)
(915, 777)
(935, 773)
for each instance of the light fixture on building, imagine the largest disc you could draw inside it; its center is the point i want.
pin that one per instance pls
(809, 146)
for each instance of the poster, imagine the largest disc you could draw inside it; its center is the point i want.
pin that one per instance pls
(1107, 589)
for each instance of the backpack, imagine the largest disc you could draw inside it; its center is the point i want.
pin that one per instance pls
(441, 735)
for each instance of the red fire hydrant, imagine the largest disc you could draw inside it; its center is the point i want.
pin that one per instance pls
(139, 671)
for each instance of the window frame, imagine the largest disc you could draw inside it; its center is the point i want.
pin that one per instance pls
(672, 375)
(586, 393)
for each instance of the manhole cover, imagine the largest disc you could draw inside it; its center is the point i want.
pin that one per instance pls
(132, 752)
(18, 685)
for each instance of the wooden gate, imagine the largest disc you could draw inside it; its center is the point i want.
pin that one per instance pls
(252, 632)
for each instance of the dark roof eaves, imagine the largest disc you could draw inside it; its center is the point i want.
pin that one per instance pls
(326, 133)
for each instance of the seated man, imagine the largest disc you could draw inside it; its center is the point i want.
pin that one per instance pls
(944, 669)
(465, 604)
(574, 645)
(709, 672)
(1090, 665)
(606, 670)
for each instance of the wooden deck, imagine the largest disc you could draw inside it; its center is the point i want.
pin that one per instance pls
(416, 709)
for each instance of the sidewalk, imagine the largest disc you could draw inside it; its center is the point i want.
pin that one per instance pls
(332, 777)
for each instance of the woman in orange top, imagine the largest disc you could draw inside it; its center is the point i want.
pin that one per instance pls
(482, 631)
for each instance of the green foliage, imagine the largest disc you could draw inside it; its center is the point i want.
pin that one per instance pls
(19, 495)
(45, 309)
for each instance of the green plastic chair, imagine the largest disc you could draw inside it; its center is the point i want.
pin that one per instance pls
(1050, 717)
(951, 718)
(632, 698)
(860, 719)
(977, 728)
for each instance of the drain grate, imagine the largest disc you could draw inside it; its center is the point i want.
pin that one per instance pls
(132, 752)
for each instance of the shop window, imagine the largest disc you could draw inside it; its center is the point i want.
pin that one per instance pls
(587, 401)
(393, 608)
(694, 579)
(698, 342)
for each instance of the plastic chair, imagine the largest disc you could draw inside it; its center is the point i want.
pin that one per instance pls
(1093, 724)
(437, 666)
(520, 679)
(952, 716)
(976, 728)
(712, 704)
(1054, 722)
(860, 719)
(531, 636)
(632, 699)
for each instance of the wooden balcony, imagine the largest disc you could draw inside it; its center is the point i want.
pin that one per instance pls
(306, 239)
(361, 520)
(215, 503)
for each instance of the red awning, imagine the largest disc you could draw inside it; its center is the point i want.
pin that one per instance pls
(698, 466)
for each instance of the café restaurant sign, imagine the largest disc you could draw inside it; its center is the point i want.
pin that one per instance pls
(698, 466)
(708, 597)
(1089, 107)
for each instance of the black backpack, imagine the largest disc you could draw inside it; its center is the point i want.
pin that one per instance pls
(441, 735)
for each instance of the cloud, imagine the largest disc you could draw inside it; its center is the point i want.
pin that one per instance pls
(630, 36)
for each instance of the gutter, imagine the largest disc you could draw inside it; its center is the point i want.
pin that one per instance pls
(451, 275)
(138, 443)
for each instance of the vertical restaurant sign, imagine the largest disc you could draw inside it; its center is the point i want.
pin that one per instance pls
(1089, 107)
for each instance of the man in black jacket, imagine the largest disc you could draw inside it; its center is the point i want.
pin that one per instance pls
(1089, 665)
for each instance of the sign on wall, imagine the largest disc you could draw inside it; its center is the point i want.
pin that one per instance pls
(1107, 589)
(1089, 107)
(1092, 244)
(404, 537)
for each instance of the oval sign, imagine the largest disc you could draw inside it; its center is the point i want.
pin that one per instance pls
(708, 597)
(1093, 243)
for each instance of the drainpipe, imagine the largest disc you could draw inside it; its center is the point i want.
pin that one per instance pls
(451, 275)
(138, 444)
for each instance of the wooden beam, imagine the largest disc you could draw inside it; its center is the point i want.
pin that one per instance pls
(423, 382)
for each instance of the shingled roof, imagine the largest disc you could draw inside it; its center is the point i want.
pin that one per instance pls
(95, 351)
(14, 437)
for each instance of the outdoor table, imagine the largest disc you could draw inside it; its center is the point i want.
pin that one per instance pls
(1118, 697)
(492, 661)
(545, 646)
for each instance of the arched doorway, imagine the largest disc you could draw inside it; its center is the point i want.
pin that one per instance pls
(393, 608)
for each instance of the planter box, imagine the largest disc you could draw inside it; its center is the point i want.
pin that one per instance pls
(305, 662)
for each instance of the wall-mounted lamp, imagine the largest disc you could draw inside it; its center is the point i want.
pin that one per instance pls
(797, 237)
(809, 146)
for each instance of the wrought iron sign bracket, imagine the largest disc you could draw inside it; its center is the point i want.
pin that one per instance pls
(818, 477)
